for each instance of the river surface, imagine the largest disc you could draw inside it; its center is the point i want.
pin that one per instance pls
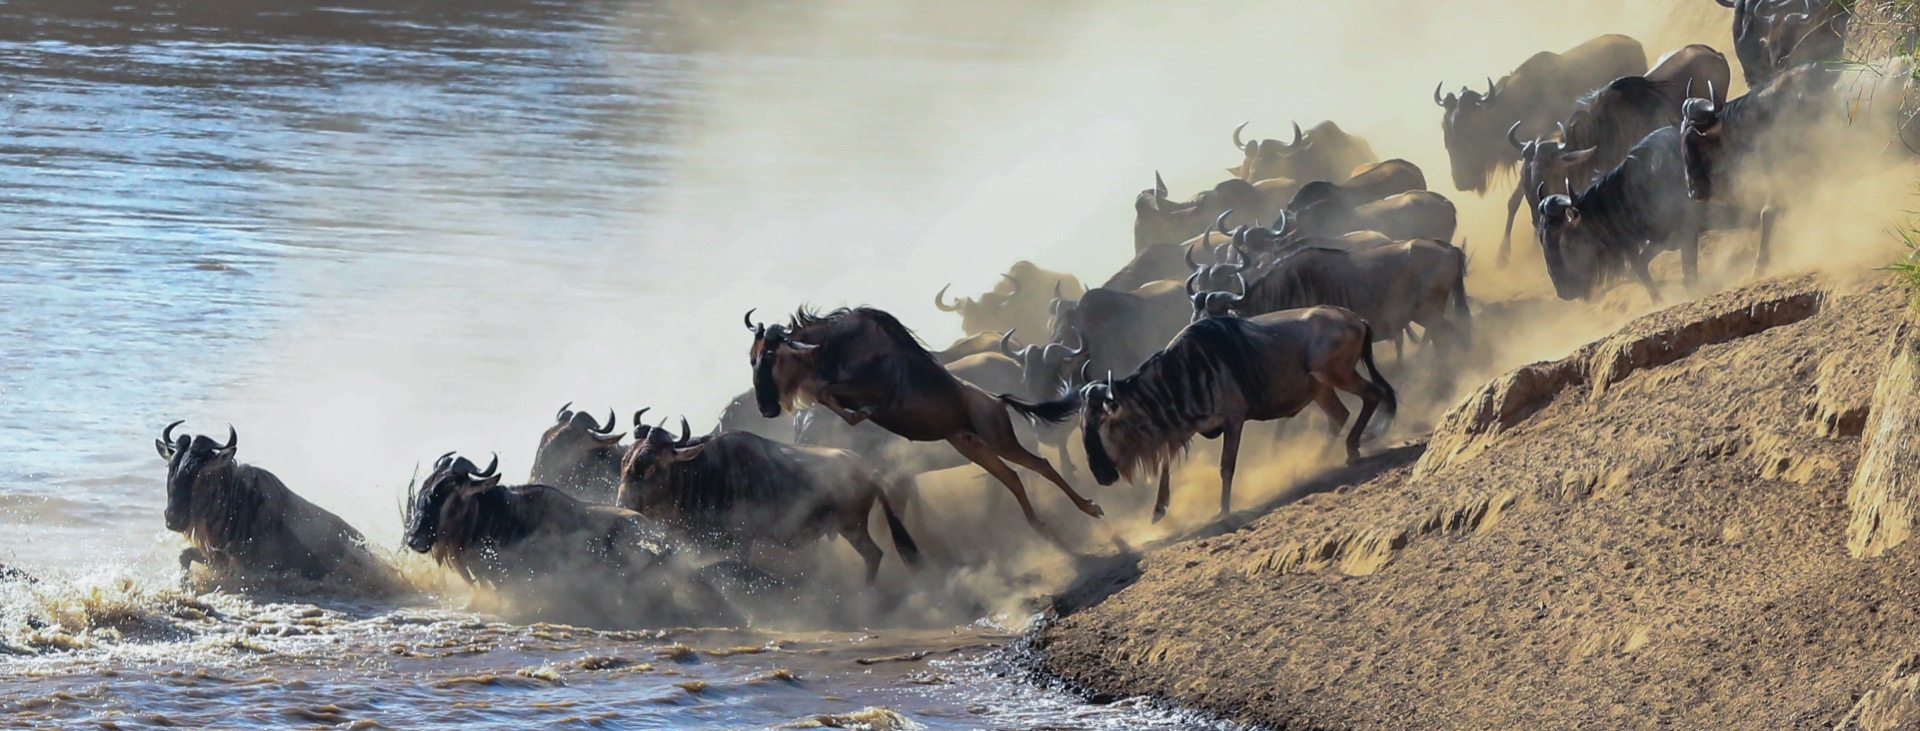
(369, 231)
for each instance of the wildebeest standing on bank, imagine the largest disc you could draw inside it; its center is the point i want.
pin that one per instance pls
(1627, 216)
(1325, 152)
(731, 491)
(1418, 281)
(864, 365)
(1120, 330)
(1159, 220)
(1223, 372)
(1418, 214)
(1539, 92)
(1373, 183)
(1018, 301)
(1771, 36)
(554, 554)
(580, 455)
(241, 520)
(1608, 121)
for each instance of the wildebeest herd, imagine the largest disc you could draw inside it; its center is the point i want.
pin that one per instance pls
(1248, 301)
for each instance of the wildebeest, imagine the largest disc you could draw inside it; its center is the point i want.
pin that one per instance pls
(580, 456)
(732, 491)
(1120, 329)
(1325, 152)
(742, 414)
(1159, 220)
(1373, 183)
(549, 549)
(862, 364)
(970, 345)
(1606, 122)
(1626, 217)
(1771, 36)
(1160, 261)
(1019, 300)
(1538, 93)
(1220, 373)
(1419, 281)
(1417, 214)
(243, 521)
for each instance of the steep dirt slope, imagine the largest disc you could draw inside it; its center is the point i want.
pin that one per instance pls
(1650, 532)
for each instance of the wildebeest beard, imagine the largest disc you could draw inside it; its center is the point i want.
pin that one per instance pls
(1154, 413)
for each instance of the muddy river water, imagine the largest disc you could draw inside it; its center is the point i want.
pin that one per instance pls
(212, 211)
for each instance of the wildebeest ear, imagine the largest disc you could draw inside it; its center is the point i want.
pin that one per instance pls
(486, 483)
(1577, 157)
(689, 451)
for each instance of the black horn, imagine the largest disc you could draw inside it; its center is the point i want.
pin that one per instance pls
(1236, 136)
(1220, 224)
(1016, 287)
(686, 431)
(491, 467)
(637, 416)
(748, 318)
(562, 414)
(1513, 138)
(1078, 338)
(1006, 345)
(1437, 101)
(1192, 266)
(1489, 95)
(1159, 186)
(166, 435)
(233, 441)
(1297, 136)
(612, 423)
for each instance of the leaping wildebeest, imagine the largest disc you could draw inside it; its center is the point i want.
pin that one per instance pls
(733, 490)
(580, 456)
(549, 549)
(1018, 301)
(1539, 92)
(863, 365)
(1608, 121)
(1630, 214)
(242, 520)
(1220, 373)
(1325, 152)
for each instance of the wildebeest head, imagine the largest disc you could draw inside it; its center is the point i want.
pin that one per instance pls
(1471, 127)
(195, 466)
(1700, 144)
(1115, 432)
(570, 442)
(778, 366)
(1575, 268)
(432, 504)
(1046, 369)
(1266, 159)
(1215, 303)
(643, 472)
(1547, 165)
(978, 315)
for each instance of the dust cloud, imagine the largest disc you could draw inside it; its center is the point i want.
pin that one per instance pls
(866, 152)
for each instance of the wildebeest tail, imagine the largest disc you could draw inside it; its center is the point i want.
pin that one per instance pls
(1051, 412)
(1459, 297)
(902, 542)
(1389, 403)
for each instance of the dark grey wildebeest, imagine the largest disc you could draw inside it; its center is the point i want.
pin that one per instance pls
(580, 455)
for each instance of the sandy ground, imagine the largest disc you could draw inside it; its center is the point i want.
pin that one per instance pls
(1648, 533)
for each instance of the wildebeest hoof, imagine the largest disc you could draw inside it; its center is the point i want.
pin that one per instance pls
(1158, 513)
(1093, 510)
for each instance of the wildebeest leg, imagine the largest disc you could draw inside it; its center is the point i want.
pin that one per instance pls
(1690, 262)
(1639, 264)
(977, 451)
(189, 556)
(1329, 402)
(1506, 239)
(1763, 251)
(1165, 495)
(1019, 455)
(1229, 457)
(854, 529)
(1350, 380)
(1066, 460)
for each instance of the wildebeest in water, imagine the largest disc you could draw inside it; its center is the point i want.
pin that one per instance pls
(242, 521)
(862, 364)
(550, 551)
(580, 455)
(1220, 373)
(731, 491)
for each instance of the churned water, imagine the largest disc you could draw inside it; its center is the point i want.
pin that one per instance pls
(368, 231)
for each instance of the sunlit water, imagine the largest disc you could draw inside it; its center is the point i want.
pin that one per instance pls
(192, 197)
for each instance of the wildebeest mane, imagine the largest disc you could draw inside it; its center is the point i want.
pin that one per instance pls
(1620, 114)
(1179, 387)
(734, 469)
(908, 362)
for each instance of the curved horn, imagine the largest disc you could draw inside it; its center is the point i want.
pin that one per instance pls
(1191, 264)
(1489, 95)
(443, 461)
(1084, 376)
(1562, 126)
(1512, 139)
(1710, 92)
(1220, 224)
(1297, 136)
(610, 424)
(166, 435)
(1728, 3)
(233, 440)
(1081, 339)
(491, 467)
(1437, 101)
(637, 415)
(747, 318)
(1236, 136)
(1242, 279)
(1056, 290)
(1192, 281)
(1159, 186)
(1006, 345)
(1016, 286)
(686, 431)
(939, 300)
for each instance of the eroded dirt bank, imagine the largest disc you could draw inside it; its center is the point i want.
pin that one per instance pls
(1650, 532)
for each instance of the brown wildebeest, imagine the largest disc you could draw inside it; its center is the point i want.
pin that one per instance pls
(1417, 214)
(549, 549)
(970, 345)
(1019, 301)
(580, 455)
(864, 365)
(731, 491)
(1220, 373)
(242, 520)
(1374, 182)
(1158, 220)
(1325, 152)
